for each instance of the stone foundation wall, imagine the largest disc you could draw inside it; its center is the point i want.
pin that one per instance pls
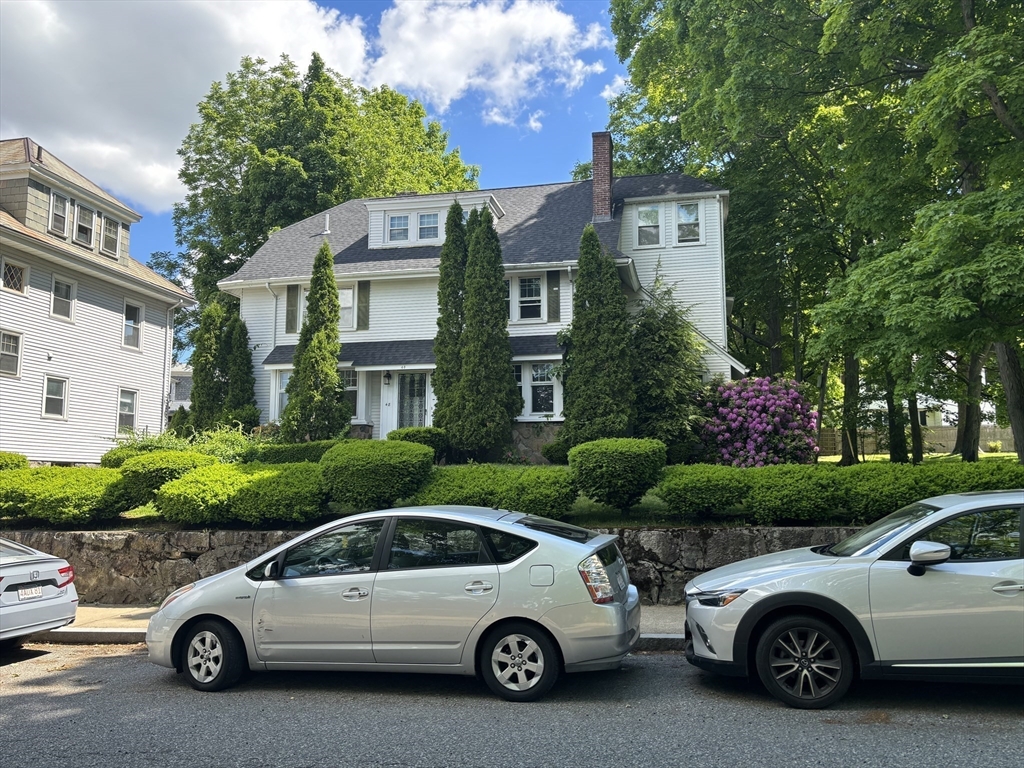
(142, 568)
(529, 437)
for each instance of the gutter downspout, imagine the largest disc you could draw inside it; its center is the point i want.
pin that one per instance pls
(168, 341)
(272, 398)
(273, 340)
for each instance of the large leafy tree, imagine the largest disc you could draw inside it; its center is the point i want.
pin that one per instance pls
(316, 408)
(450, 317)
(598, 372)
(488, 397)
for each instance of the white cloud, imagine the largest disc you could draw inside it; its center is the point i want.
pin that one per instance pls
(614, 88)
(111, 87)
(534, 123)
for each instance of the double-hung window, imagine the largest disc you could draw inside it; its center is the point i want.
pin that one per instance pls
(648, 225)
(398, 228)
(688, 223)
(282, 391)
(63, 298)
(58, 214)
(111, 236)
(85, 222)
(542, 388)
(347, 316)
(428, 226)
(350, 385)
(529, 298)
(127, 406)
(55, 398)
(10, 353)
(133, 314)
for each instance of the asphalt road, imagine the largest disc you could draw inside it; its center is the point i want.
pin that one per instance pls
(82, 706)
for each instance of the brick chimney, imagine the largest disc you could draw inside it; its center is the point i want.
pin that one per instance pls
(602, 176)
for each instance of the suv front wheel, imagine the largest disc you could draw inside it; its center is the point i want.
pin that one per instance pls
(804, 662)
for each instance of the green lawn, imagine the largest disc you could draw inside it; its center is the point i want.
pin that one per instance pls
(929, 458)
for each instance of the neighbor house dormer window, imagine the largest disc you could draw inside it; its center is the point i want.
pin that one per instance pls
(688, 223)
(648, 225)
(529, 298)
(428, 226)
(398, 228)
(111, 236)
(346, 300)
(85, 221)
(58, 214)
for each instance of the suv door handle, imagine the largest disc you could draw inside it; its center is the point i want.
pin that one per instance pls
(478, 587)
(1009, 588)
(355, 593)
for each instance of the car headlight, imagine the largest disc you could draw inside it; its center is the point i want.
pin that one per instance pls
(718, 599)
(175, 595)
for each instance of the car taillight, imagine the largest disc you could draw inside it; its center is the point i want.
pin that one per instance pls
(67, 575)
(596, 578)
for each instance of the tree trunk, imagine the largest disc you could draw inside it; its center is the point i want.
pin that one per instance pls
(822, 387)
(851, 408)
(897, 423)
(1012, 376)
(798, 357)
(916, 434)
(774, 322)
(972, 424)
(961, 408)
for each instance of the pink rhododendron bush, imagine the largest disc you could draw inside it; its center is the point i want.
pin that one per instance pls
(759, 422)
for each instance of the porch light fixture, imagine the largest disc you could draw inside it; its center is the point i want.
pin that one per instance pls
(387, 378)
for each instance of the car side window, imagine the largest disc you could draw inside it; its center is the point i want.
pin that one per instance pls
(344, 550)
(434, 544)
(992, 534)
(507, 546)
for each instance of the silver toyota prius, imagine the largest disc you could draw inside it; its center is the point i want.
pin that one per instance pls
(513, 598)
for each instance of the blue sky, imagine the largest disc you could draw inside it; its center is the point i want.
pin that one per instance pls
(519, 84)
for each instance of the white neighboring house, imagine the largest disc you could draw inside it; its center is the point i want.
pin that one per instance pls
(180, 393)
(85, 330)
(386, 257)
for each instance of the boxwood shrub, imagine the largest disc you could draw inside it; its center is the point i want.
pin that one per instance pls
(696, 492)
(434, 437)
(788, 494)
(115, 457)
(59, 495)
(546, 491)
(373, 474)
(617, 471)
(556, 452)
(10, 460)
(280, 492)
(290, 453)
(203, 496)
(145, 473)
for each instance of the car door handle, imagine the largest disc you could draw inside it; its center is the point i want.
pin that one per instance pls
(1009, 588)
(355, 593)
(478, 587)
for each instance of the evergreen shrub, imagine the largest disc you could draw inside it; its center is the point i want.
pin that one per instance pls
(290, 453)
(280, 492)
(617, 471)
(143, 474)
(59, 495)
(545, 491)
(697, 492)
(798, 495)
(434, 437)
(203, 496)
(10, 460)
(373, 474)
(556, 452)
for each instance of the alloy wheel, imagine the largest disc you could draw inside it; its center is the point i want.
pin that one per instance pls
(805, 663)
(205, 656)
(517, 662)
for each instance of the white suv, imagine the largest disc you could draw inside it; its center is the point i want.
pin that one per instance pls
(933, 591)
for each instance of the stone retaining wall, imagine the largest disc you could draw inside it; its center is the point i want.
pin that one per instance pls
(141, 568)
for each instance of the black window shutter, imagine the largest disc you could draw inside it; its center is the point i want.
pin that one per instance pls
(363, 306)
(554, 296)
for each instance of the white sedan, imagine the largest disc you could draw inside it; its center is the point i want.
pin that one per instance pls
(934, 591)
(37, 593)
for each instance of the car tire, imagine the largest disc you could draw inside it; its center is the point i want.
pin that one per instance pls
(213, 656)
(804, 662)
(519, 662)
(11, 644)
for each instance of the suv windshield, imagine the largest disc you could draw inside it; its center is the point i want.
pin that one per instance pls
(558, 528)
(882, 530)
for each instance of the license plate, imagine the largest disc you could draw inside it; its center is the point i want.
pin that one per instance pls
(621, 579)
(30, 593)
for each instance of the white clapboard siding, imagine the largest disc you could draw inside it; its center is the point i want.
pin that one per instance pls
(89, 354)
(376, 232)
(257, 309)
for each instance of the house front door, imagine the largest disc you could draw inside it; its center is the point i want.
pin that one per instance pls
(406, 402)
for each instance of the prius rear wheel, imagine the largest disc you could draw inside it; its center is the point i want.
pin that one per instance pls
(519, 662)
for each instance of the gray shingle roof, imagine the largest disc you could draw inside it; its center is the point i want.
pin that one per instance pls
(542, 223)
(410, 352)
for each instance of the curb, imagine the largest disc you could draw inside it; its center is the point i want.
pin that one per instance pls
(112, 636)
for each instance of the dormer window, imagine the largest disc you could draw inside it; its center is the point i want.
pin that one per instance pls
(58, 214)
(84, 222)
(688, 223)
(111, 236)
(428, 226)
(398, 228)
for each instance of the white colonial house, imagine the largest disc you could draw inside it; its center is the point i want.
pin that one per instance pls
(85, 330)
(386, 257)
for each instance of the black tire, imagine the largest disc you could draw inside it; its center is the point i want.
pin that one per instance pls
(213, 656)
(11, 644)
(804, 662)
(519, 662)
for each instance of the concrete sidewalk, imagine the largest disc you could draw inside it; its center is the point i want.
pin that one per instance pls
(662, 627)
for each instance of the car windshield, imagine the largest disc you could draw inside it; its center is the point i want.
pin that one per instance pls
(882, 530)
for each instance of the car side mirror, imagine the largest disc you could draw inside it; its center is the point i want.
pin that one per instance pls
(272, 569)
(925, 553)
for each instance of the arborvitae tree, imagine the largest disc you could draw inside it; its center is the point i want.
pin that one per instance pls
(488, 398)
(668, 364)
(240, 398)
(208, 387)
(598, 377)
(450, 317)
(179, 422)
(316, 409)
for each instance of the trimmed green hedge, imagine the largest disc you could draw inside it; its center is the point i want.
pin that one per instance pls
(10, 460)
(115, 457)
(697, 492)
(546, 491)
(289, 453)
(373, 474)
(789, 494)
(145, 473)
(556, 452)
(432, 436)
(617, 471)
(60, 495)
(203, 495)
